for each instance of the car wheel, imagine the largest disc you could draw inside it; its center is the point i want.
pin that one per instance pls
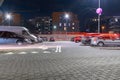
(101, 44)
(19, 42)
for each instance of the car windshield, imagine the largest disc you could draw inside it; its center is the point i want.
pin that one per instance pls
(25, 32)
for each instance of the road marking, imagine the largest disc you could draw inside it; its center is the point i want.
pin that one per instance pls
(34, 52)
(43, 47)
(22, 53)
(10, 53)
(47, 52)
(58, 49)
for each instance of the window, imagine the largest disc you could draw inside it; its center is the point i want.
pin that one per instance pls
(25, 32)
(73, 24)
(1, 33)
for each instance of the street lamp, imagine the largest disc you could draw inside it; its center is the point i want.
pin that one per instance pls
(8, 17)
(99, 12)
(67, 16)
(55, 27)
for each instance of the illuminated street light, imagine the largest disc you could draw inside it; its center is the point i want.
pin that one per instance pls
(67, 16)
(55, 27)
(8, 17)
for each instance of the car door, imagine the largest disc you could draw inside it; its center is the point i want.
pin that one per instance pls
(107, 40)
(9, 36)
(3, 40)
(116, 42)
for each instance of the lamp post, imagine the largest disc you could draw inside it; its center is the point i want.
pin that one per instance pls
(66, 18)
(8, 17)
(99, 12)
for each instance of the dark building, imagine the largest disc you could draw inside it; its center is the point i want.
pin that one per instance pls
(115, 24)
(65, 21)
(92, 24)
(43, 25)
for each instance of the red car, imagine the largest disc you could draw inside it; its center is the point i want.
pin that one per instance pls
(77, 39)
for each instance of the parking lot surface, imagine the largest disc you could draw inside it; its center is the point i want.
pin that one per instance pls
(74, 62)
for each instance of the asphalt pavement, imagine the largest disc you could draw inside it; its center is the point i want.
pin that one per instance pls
(61, 60)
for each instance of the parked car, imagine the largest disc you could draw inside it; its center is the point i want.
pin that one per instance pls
(72, 39)
(106, 40)
(51, 39)
(77, 39)
(44, 38)
(11, 37)
(20, 31)
(40, 40)
(86, 39)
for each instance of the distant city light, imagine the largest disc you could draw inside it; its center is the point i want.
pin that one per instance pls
(65, 28)
(65, 24)
(73, 24)
(116, 19)
(60, 24)
(73, 28)
(54, 27)
(103, 27)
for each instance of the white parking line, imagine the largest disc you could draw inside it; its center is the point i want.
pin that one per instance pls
(22, 53)
(47, 52)
(9, 53)
(34, 52)
(58, 49)
(43, 47)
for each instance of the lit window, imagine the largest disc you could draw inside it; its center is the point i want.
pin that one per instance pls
(73, 28)
(37, 24)
(69, 24)
(116, 19)
(73, 23)
(64, 24)
(65, 29)
(60, 24)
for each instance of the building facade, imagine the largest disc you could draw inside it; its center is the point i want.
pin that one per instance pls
(17, 19)
(43, 25)
(62, 23)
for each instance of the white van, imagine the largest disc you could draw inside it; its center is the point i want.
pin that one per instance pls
(20, 31)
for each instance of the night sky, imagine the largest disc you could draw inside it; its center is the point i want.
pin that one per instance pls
(32, 8)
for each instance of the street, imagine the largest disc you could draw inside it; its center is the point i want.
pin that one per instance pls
(61, 60)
